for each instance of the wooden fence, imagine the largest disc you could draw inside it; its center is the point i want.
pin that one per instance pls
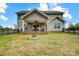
(71, 30)
(13, 31)
(8, 31)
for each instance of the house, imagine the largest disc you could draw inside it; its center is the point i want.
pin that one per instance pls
(39, 21)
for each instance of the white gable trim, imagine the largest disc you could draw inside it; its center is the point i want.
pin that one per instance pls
(58, 19)
(34, 10)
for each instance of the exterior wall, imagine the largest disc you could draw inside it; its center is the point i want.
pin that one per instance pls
(17, 22)
(35, 16)
(54, 16)
(21, 25)
(44, 27)
(25, 26)
(50, 26)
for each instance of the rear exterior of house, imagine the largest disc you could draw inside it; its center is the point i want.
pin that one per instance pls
(39, 21)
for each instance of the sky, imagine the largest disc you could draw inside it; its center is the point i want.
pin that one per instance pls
(8, 16)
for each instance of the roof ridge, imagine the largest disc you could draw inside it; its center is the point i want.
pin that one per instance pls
(46, 12)
(34, 10)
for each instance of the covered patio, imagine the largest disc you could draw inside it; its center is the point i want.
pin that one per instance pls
(35, 26)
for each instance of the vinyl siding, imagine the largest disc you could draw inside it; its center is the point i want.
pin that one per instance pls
(50, 26)
(36, 17)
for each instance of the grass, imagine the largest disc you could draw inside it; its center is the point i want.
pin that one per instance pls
(52, 44)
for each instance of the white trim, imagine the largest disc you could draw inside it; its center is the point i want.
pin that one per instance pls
(22, 26)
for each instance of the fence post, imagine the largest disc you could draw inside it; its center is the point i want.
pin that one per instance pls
(68, 30)
(63, 30)
(73, 31)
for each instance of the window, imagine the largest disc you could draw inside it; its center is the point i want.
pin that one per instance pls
(56, 25)
(24, 25)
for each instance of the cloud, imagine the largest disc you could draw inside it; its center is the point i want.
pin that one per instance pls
(43, 7)
(66, 14)
(66, 25)
(2, 17)
(58, 8)
(29, 9)
(3, 8)
(53, 4)
(55, 7)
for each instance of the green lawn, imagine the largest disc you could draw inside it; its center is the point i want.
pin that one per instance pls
(51, 44)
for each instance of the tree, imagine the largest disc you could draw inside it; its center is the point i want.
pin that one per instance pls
(1, 27)
(71, 28)
(77, 26)
(7, 30)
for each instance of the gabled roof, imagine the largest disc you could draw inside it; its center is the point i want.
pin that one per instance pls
(34, 10)
(53, 12)
(46, 12)
(57, 18)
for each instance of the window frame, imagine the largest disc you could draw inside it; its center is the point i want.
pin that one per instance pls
(57, 25)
